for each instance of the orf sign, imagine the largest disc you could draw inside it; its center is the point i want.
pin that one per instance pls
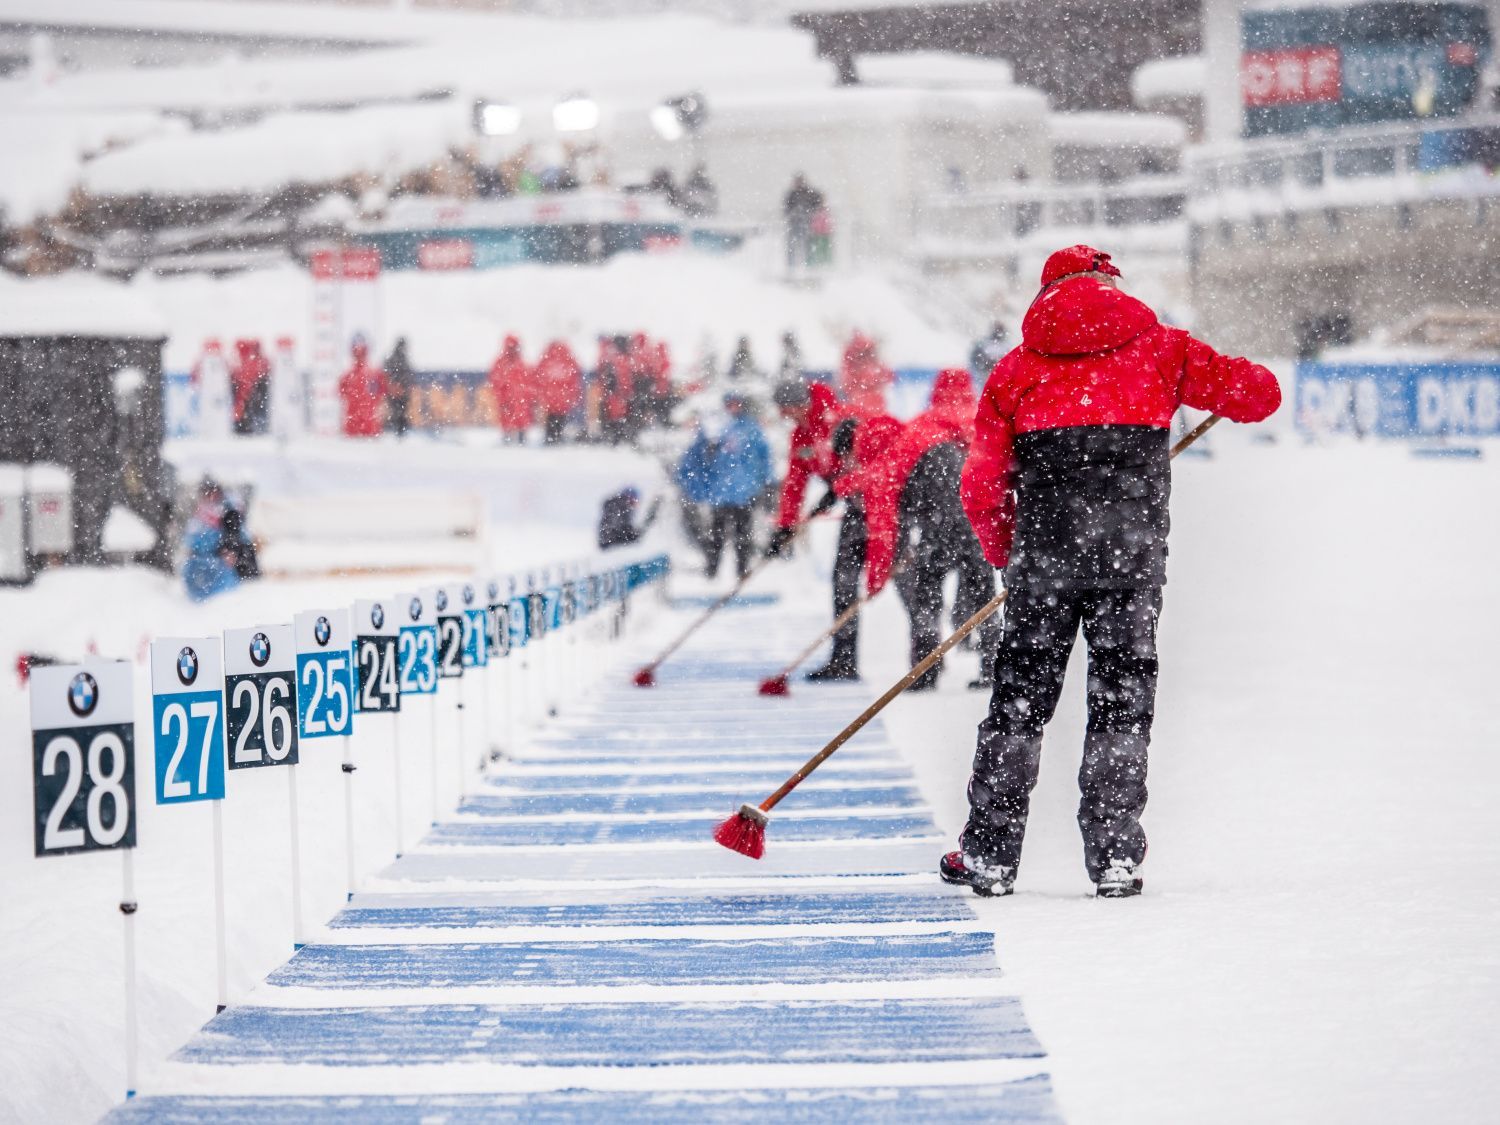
(1294, 76)
(83, 757)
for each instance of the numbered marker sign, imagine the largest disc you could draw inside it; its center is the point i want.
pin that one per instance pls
(417, 644)
(83, 757)
(520, 621)
(536, 614)
(187, 719)
(325, 687)
(569, 602)
(552, 607)
(497, 623)
(476, 653)
(450, 627)
(260, 696)
(376, 672)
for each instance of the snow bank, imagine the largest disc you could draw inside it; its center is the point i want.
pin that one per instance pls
(1110, 130)
(1159, 79)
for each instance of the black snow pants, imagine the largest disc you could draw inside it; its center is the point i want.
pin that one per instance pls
(1040, 626)
(848, 565)
(730, 522)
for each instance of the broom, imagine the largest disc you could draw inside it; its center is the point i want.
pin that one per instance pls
(646, 676)
(745, 831)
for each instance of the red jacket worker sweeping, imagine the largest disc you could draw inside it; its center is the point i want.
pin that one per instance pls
(1066, 486)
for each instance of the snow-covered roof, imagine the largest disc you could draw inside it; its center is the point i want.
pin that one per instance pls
(933, 70)
(76, 305)
(1116, 130)
(1183, 77)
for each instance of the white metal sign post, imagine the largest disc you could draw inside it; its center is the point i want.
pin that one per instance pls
(187, 730)
(83, 784)
(260, 715)
(377, 677)
(497, 642)
(325, 698)
(520, 628)
(417, 649)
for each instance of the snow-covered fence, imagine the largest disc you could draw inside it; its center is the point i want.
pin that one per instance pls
(254, 697)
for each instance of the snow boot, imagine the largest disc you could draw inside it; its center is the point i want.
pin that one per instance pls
(990, 882)
(842, 666)
(920, 647)
(1119, 881)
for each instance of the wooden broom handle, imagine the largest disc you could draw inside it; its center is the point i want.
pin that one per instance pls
(984, 612)
(840, 621)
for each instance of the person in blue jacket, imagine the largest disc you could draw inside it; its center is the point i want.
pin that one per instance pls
(726, 467)
(215, 545)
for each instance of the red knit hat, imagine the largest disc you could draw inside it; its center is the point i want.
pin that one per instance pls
(1077, 259)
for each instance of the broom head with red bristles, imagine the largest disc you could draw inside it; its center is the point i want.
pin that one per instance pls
(646, 677)
(774, 685)
(744, 832)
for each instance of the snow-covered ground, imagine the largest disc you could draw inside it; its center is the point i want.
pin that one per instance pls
(1317, 938)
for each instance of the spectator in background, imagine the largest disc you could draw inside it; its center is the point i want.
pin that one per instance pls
(612, 388)
(698, 198)
(791, 359)
(664, 395)
(801, 204)
(559, 389)
(398, 376)
(219, 553)
(617, 526)
(742, 368)
(251, 381)
(363, 389)
(863, 378)
(988, 350)
(726, 467)
(514, 391)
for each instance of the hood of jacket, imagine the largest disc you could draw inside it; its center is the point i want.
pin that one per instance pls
(1083, 316)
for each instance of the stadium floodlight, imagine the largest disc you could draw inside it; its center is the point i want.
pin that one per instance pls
(677, 116)
(575, 114)
(496, 119)
(665, 121)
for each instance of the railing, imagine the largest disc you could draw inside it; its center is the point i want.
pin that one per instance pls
(1319, 160)
(1003, 215)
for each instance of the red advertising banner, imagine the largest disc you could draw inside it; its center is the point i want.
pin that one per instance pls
(446, 254)
(1293, 76)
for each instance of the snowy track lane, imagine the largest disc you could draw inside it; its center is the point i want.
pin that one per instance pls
(571, 945)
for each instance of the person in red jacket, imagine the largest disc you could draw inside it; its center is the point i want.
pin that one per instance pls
(612, 386)
(559, 388)
(821, 443)
(863, 378)
(363, 389)
(514, 394)
(251, 379)
(1066, 486)
(913, 512)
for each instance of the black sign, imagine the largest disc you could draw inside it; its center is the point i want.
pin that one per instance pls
(375, 670)
(260, 712)
(450, 645)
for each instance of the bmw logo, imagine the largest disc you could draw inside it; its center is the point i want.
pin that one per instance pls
(377, 615)
(415, 609)
(322, 631)
(442, 600)
(83, 695)
(260, 650)
(468, 595)
(493, 591)
(187, 666)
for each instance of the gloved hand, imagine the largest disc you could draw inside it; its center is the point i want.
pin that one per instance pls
(781, 539)
(828, 501)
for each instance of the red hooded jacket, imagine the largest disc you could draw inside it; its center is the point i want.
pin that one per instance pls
(875, 477)
(811, 452)
(363, 389)
(514, 390)
(248, 373)
(863, 379)
(1093, 357)
(559, 380)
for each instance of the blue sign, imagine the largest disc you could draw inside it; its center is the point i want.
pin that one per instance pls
(1399, 400)
(519, 630)
(187, 719)
(325, 681)
(416, 645)
(552, 607)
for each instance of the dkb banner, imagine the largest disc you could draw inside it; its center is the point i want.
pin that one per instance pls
(1399, 400)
